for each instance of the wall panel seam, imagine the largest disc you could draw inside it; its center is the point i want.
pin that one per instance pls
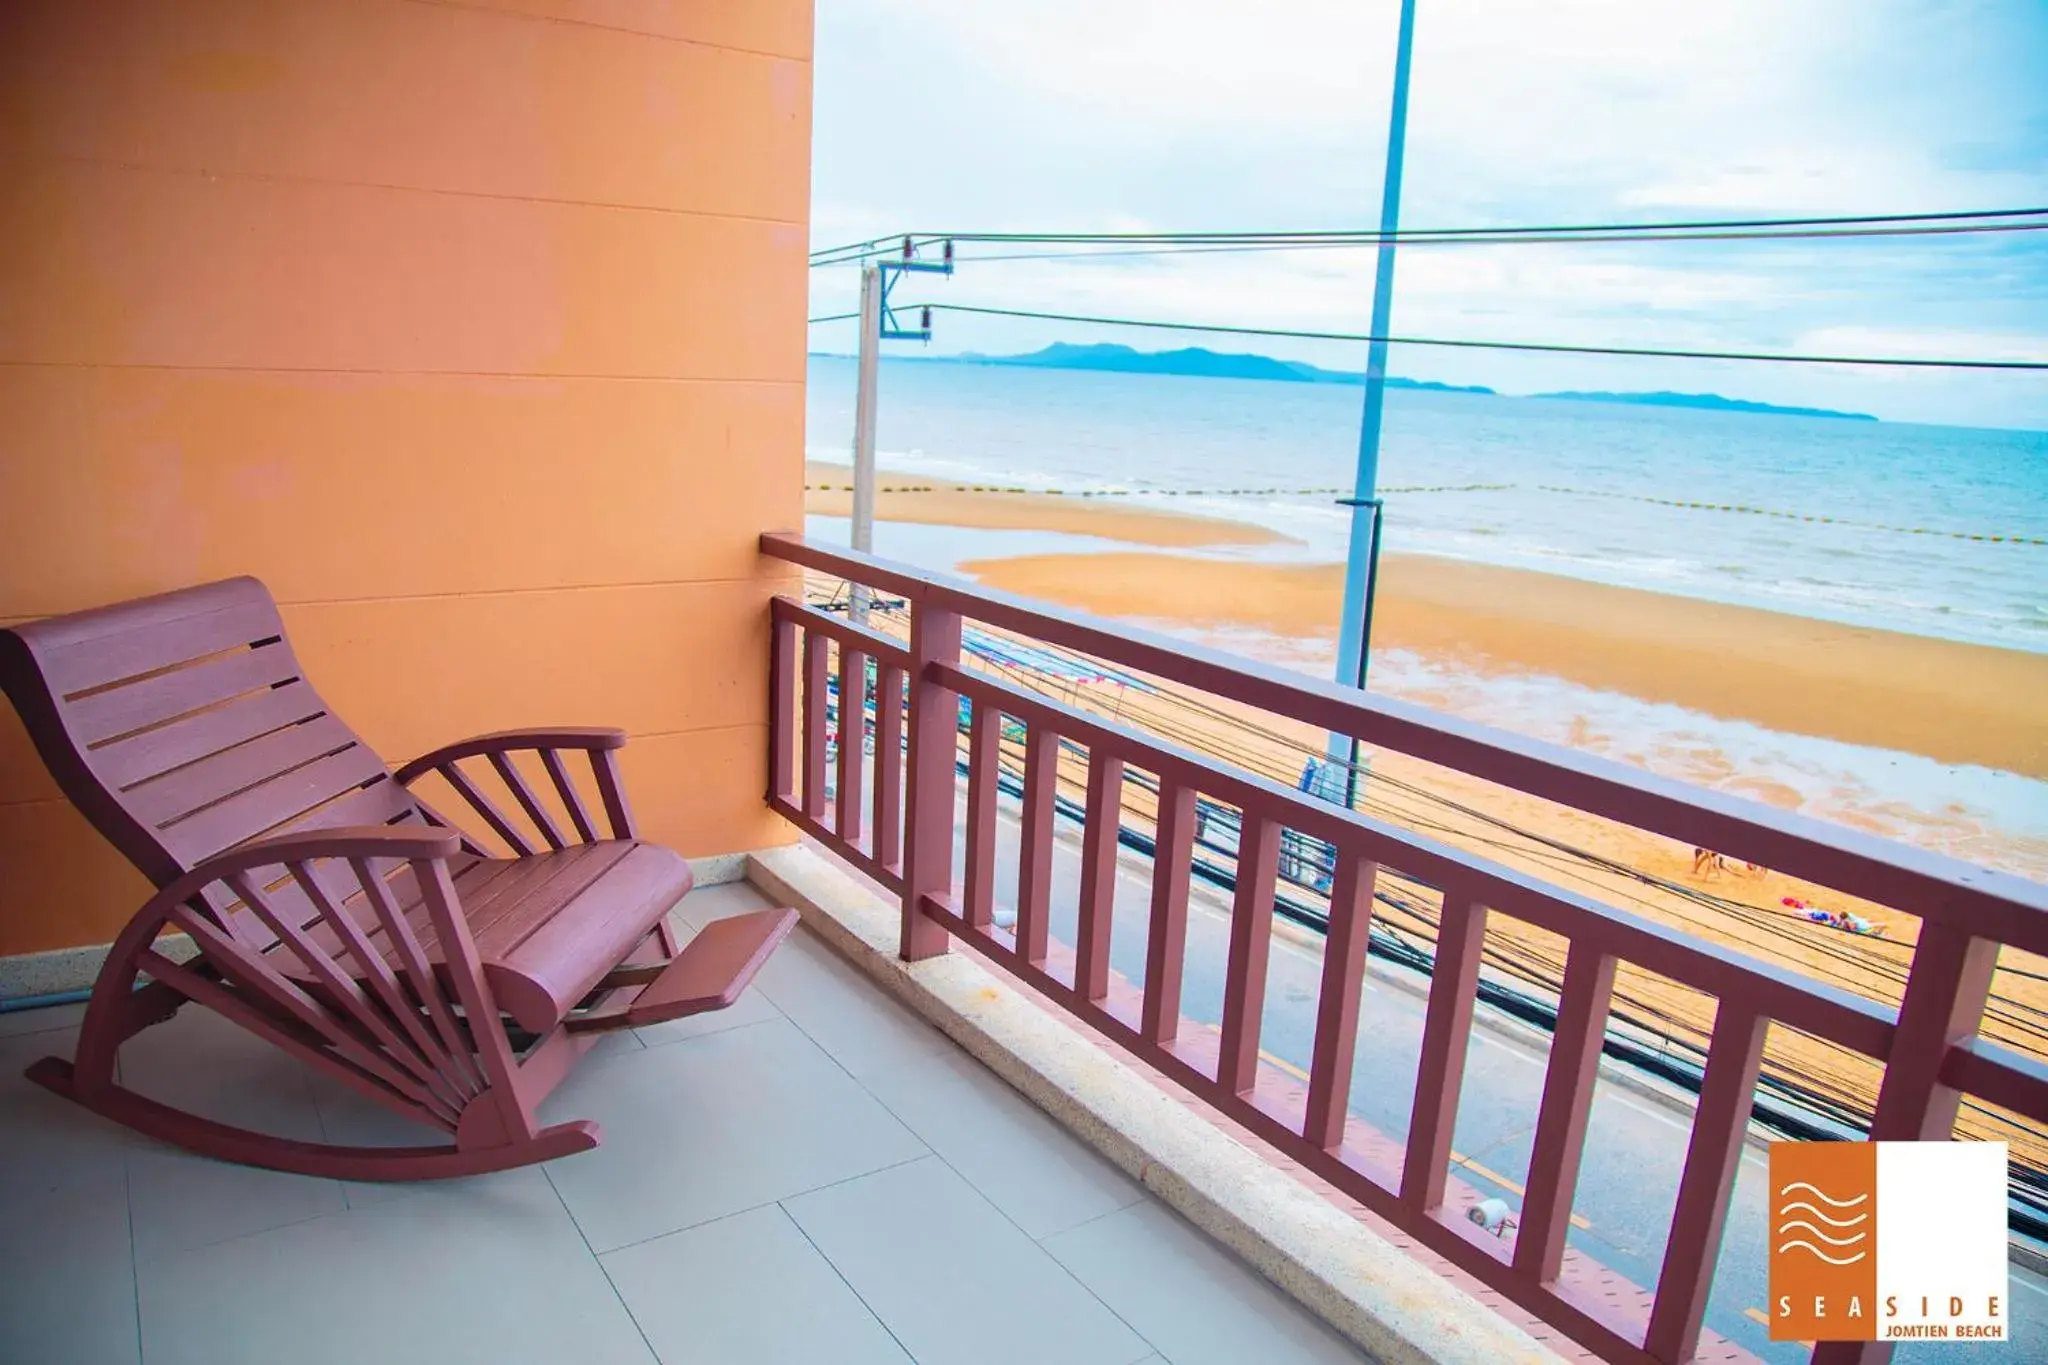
(365, 373)
(612, 28)
(273, 177)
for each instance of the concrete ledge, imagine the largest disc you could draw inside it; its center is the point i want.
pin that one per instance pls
(62, 971)
(1396, 1309)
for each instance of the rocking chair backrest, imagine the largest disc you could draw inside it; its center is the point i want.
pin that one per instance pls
(182, 725)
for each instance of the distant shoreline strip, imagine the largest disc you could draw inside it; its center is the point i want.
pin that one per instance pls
(1692, 505)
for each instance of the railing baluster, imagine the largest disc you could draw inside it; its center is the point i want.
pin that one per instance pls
(1329, 1072)
(1694, 1245)
(889, 766)
(782, 726)
(1446, 1038)
(1167, 942)
(928, 806)
(984, 760)
(1946, 992)
(1251, 945)
(853, 734)
(1034, 870)
(1098, 873)
(1567, 1101)
(816, 667)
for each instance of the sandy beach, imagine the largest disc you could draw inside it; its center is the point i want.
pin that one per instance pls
(1957, 703)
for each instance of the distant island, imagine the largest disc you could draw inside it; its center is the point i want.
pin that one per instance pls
(1207, 364)
(1194, 360)
(1712, 401)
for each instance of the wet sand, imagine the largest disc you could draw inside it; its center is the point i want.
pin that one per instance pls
(1956, 703)
(937, 502)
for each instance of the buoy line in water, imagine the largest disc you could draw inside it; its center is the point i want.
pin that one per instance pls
(1687, 504)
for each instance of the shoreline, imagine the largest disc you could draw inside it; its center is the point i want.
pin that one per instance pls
(1952, 702)
(922, 500)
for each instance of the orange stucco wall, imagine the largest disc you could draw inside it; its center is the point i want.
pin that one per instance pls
(476, 331)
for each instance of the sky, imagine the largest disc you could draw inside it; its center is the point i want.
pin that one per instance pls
(1258, 115)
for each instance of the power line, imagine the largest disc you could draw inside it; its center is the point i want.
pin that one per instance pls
(1908, 362)
(1120, 253)
(1909, 224)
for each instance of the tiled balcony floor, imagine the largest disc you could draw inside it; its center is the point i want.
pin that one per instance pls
(813, 1176)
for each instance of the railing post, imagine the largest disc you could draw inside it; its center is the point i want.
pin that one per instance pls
(928, 803)
(1946, 992)
(783, 723)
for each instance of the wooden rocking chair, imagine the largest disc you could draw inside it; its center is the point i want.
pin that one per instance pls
(333, 912)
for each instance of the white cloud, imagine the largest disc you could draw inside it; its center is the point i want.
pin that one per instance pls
(1241, 114)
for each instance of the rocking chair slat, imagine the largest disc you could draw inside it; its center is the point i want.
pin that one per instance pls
(302, 1043)
(501, 763)
(431, 1063)
(92, 649)
(259, 977)
(130, 707)
(500, 824)
(572, 800)
(124, 763)
(416, 974)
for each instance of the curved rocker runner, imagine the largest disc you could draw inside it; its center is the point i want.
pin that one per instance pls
(332, 911)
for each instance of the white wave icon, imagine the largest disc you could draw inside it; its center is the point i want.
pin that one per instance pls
(1796, 1226)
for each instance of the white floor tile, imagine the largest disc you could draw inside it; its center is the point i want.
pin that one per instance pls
(1193, 1300)
(482, 1276)
(699, 1129)
(1035, 1171)
(46, 1141)
(203, 1064)
(747, 1290)
(953, 1279)
(13, 1023)
(67, 1275)
(843, 1011)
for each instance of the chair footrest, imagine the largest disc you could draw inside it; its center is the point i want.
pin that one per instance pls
(708, 974)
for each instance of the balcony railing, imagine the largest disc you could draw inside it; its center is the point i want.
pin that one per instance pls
(899, 829)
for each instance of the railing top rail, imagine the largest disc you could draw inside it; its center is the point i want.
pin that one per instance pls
(1939, 889)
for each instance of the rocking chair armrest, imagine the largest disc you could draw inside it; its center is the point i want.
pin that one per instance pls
(593, 738)
(410, 842)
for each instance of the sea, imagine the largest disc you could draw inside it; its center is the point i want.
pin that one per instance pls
(1937, 531)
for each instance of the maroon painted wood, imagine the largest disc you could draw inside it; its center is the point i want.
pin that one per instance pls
(782, 731)
(1167, 948)
(1337, 1002)
(985, 734)
(817, 668)
(1707, 1185)
(1932, 1048)
(1251, 946)
(333, 914)
(928, 811)
(847, 816)
(1098, 875)
(708, 974)
(889, 766)
(1567, 1103)
(1946, 993)
(1034, 857)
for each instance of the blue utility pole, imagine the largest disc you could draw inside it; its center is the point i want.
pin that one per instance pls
(1353, 646)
